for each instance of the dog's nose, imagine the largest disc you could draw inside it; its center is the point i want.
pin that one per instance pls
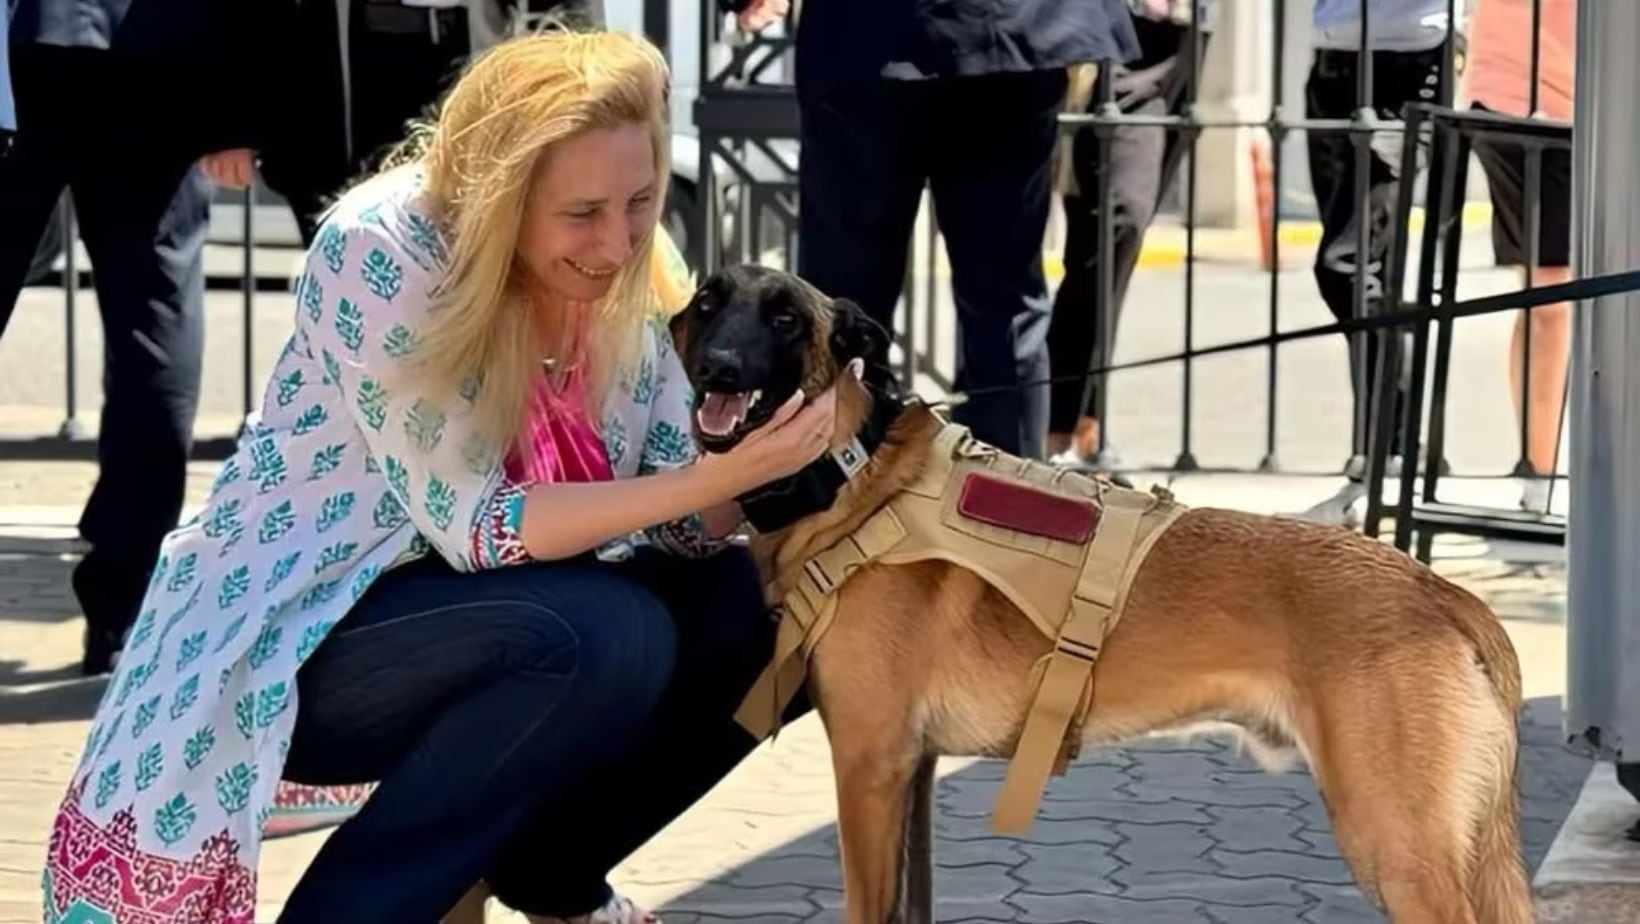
(720, 367)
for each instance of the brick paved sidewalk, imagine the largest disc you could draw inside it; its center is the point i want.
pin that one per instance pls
(1176, 831)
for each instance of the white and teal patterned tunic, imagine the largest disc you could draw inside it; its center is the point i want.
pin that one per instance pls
(342, 475)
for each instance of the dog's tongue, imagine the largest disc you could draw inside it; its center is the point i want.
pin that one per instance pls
(721, 412)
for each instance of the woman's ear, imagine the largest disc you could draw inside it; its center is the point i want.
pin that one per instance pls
(854, 335)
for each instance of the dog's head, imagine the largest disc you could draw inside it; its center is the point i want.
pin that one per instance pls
(752, 335)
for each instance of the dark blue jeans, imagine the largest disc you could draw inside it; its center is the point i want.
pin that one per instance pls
(530, 726)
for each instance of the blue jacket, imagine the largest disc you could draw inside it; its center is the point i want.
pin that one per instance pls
(8, 110)
(851, 41)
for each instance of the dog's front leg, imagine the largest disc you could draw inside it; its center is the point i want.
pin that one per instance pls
(917, 885)
(873, 785)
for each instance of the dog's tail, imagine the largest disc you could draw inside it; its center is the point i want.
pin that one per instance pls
(1498, 889)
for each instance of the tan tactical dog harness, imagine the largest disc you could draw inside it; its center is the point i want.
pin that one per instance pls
(1062, 547)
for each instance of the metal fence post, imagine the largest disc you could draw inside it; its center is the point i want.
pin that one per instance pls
(247, 288)
(71, 428)
(1603, 586)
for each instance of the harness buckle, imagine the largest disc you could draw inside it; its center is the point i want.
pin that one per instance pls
(1078, 650)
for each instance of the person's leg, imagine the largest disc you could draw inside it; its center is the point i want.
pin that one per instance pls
(1143, 162)
(725, 638)
(1551, 352)
(33, 174)
(472, 698)
(143, 219)
(859, 188)
(990, 178)
(1505, 166)
(1399, 78)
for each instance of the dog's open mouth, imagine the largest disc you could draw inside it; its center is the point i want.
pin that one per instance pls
(721, 413)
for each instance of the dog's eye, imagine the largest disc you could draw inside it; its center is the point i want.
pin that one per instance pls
(784, 323)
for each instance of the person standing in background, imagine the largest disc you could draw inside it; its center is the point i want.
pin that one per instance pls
(1408, 42)
(115, 101)
(964, 98)
(1498, 78)
(367, 69)
(1143, 162)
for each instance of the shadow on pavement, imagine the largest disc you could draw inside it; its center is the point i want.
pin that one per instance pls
(1170, 830)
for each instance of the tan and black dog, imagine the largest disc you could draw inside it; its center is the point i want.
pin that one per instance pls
(1400, 689)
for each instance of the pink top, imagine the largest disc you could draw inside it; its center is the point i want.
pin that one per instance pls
(1498, 72)
(560, 444)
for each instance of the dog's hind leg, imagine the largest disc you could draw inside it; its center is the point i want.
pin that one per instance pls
(917, 886)
(1416, 760)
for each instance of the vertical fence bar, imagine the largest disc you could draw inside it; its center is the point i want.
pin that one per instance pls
(247, 289)
(1435, 195)
(1187, 458)
(931, 291)
(1381, 435)
(1361, 145)
(908, 297)
(1278, 140)
(705, 147)
(1451, 221)
(70, 429)
(1449, 66)
(1533, 184)
(1534, 212)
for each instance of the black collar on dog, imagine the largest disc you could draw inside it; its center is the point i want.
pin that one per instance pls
(779, 504)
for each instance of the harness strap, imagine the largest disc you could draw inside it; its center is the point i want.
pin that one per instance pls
(1052, 732)
(807, 612)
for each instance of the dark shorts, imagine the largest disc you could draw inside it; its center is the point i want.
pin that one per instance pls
(1505, 166)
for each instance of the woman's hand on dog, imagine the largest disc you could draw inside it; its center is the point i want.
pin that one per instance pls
(794, 436)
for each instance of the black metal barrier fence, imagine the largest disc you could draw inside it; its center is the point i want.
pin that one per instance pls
(762, 114)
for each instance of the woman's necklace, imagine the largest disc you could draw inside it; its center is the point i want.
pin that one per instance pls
(555, 366)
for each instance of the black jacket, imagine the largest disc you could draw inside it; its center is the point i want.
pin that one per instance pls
(848, 41)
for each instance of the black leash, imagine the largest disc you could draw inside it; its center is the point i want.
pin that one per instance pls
(1577, 290)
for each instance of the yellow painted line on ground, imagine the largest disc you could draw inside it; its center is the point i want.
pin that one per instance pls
(1164, 246)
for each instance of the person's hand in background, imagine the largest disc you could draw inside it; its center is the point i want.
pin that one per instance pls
(760, 14)
(234, 168)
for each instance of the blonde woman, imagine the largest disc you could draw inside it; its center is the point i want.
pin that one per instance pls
(415, 570)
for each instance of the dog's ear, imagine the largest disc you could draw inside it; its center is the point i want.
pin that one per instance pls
(855, 335)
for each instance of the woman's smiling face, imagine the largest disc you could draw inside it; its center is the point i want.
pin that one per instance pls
(591, 202)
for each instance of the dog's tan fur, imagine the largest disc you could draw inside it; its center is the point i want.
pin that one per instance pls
(1399, 688)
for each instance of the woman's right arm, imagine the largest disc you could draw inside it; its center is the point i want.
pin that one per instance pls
(363, 294)
(561, 520)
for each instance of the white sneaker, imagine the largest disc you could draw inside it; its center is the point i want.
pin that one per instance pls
(1534, 495)
(1338, 510)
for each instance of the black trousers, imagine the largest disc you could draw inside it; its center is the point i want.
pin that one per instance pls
(982, 145)
(402, 58)
(1143, 163)
(143, 211)
(1398, 78)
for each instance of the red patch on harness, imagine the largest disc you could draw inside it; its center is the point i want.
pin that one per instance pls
(1029, 510)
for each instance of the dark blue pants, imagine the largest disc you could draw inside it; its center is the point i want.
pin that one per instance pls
(143, 211)
(531, 726)
(981, 144)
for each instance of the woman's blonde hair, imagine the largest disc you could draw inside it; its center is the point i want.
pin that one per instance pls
(512, 105)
